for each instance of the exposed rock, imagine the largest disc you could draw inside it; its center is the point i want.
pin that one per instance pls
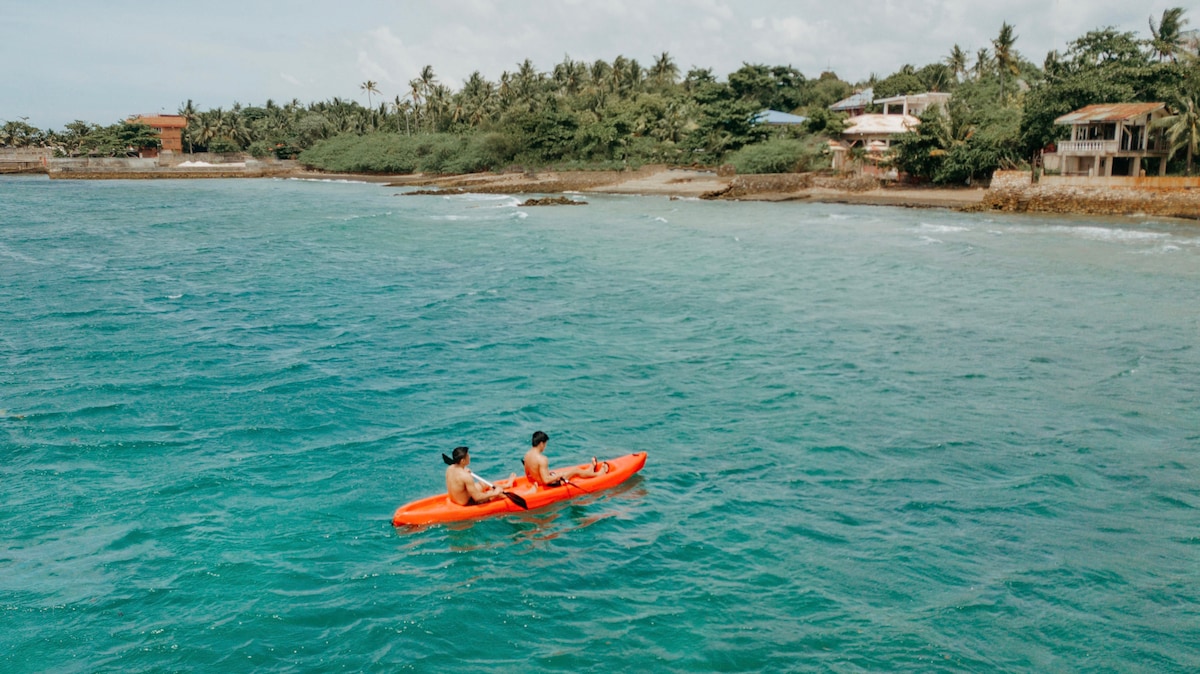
(419, 193)
(1172, 197)
(774, 183)
(553, 201)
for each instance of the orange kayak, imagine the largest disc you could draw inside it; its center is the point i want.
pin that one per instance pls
(440, 508)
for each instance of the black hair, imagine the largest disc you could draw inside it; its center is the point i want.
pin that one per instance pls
(538, 438)
(459, 453)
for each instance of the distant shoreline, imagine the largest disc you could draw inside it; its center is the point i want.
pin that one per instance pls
(1007, 192)
(682, 184)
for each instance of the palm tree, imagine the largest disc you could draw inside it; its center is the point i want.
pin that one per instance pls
(1006, 56)
(421, 87)
(635, 75)
(402, 107)
(1168, 36)
(617, 74)
(957, 61)
(983, 61)
(207, 126)
(438, 105)
(188, 112)
(371, 87)
(1183, 129)
(664, 71)
(477, 98)
(567, 76)
(527, 84)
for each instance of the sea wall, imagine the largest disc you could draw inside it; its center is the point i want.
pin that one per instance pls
(136, 168)
(25, 153)
(1165, 196)
(24, 159)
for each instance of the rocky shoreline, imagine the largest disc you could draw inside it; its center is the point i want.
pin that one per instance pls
(678, 183)
(1009, 191)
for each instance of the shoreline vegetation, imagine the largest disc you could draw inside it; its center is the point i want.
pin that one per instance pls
(626, 128)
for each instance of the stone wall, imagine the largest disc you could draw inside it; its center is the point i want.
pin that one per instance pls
(1165, 196)
(99, 168)
(24, 159)
(25, 153)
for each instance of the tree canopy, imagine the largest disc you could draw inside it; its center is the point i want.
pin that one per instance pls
(613, 113)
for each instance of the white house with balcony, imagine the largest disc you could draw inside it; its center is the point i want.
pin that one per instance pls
(915, 104)
(1110, 139)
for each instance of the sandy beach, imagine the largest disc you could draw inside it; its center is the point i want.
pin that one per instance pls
(685, 184)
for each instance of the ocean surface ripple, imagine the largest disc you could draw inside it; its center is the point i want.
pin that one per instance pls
(879, 439)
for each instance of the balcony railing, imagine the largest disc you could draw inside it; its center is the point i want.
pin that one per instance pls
(1094, 147)
(1087, 146)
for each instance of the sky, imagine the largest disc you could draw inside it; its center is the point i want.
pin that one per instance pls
(102, 62)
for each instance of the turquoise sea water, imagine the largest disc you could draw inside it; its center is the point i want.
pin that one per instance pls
(880, 439)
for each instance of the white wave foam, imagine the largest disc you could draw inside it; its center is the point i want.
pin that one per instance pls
(344, 181)
(474, 196)
(1165, 249)
(1111, 234)
(942, 229)
(520, 215)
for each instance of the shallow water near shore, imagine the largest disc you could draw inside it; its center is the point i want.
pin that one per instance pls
(879, 439)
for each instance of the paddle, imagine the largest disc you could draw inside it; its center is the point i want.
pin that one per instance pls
(519, 500)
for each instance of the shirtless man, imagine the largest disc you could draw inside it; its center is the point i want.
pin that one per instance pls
(462, 488)
(537, 466)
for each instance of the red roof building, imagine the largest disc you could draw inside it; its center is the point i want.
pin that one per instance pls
(168, 127)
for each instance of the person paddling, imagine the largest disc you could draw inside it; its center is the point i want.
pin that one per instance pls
(460, 483)
(537, 466)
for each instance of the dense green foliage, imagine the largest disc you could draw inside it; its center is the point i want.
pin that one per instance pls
(779, 155)
(620, 113)
(382, 152)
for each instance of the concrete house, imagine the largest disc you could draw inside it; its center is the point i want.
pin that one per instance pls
(169, 129)
(915, 104)
(856, 104)
(1110, 139)
(874, 131)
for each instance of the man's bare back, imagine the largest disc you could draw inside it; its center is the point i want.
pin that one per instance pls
(461, 486)
(537, 466)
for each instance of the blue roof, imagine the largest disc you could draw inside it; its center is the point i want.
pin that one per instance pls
(860, 99)
(777, 117)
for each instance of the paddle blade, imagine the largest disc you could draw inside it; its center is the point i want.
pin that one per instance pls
(519, 500)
